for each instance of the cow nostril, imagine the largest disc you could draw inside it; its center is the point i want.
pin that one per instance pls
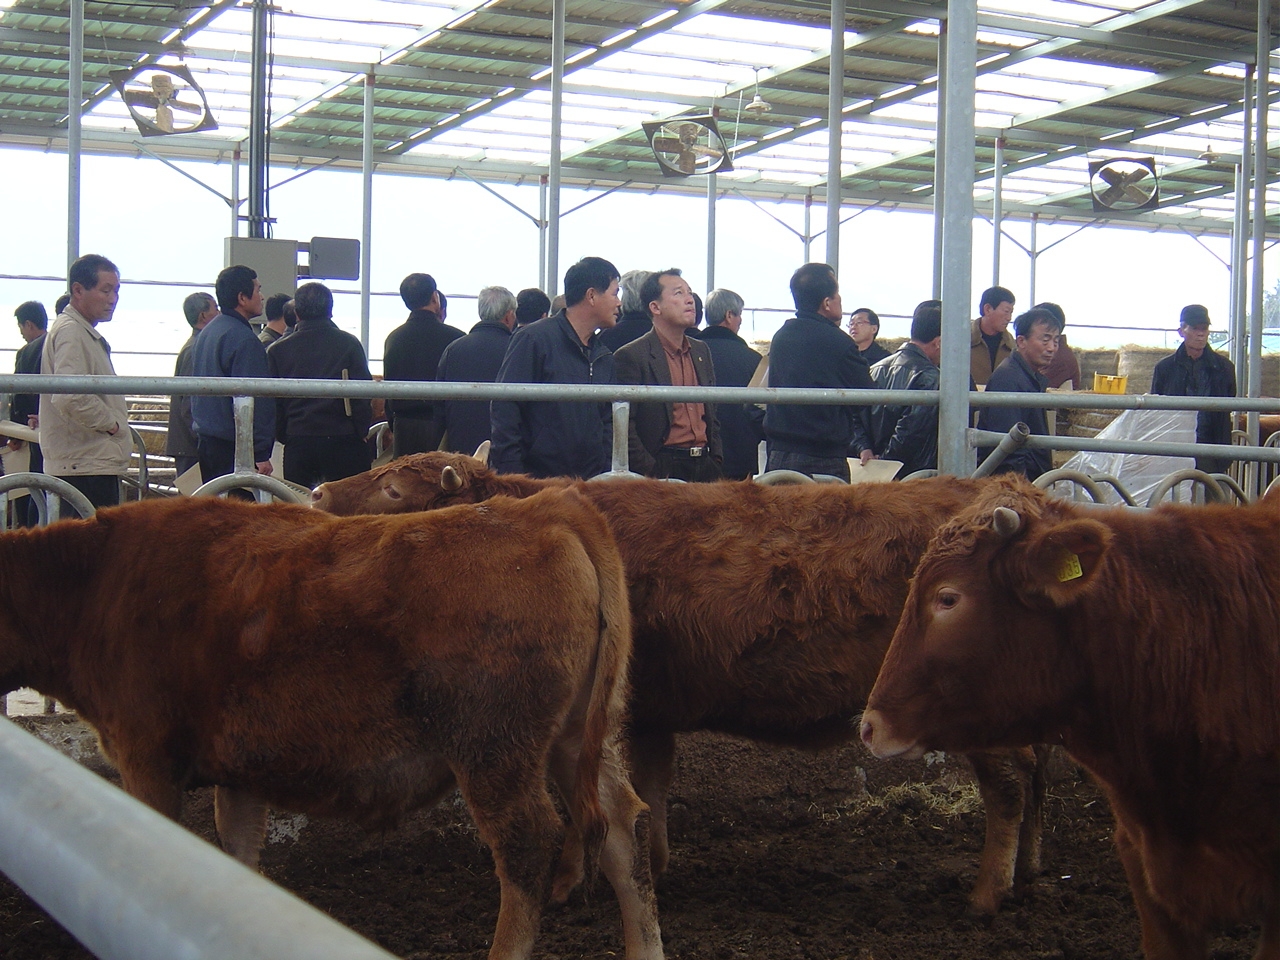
(867, 732)
(317, 495)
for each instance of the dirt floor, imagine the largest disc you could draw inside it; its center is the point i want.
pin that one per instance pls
(775, 854)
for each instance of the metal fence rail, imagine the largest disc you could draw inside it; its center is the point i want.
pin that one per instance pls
(132, 885)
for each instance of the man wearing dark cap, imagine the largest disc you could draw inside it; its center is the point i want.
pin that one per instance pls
(412, 352)
(1194, 370)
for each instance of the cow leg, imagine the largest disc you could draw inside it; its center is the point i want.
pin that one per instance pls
(1033, 763)
(625, 859)
(514, 815)
(1004, 798)
(241, 821)
(653, 764)
(1163, 937)
(142, 783)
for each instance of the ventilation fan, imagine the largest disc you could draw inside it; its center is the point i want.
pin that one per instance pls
(163, 100)
(1128, 184)
(688, 145)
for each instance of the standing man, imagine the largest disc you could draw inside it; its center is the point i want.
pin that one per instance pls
(276, 327)
(989, 341)
(904, 432)
(477, 358)
(1194, 370)
(735, 363)
(810, 350)
(323, 437)
(181, 444)
(85, 435)
(678, 440)
(1037, 341)
(561, 437)
(228, 347)
(864, 327)
(412, 352)
(531, 305)
(33, 322)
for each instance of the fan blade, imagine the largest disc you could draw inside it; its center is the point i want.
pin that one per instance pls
(1113, 177)
(1137, 195)
(141, 98)
(687, 162)
(706, 151)
(1111, 195)
(668, 144)
(189, 107)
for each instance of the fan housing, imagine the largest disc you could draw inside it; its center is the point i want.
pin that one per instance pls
(1128, 183)
(163, 100)
(688, 146)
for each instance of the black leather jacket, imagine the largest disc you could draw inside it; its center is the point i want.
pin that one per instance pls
(901, 431)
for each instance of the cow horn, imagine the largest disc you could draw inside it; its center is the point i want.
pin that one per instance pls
(482, 453)
(450, 482)
(1006, 522)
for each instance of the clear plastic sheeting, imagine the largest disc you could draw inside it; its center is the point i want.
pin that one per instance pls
(1140, 473)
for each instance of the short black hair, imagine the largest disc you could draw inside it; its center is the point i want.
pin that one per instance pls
(994, 296)
(531, 304)
(443, 304)
(697, 309)
(313, 301)
(1056, 310)
(232, 282)
(195, 304)
(86, 269)
(811, 284)
(651, 289)
(417, 289)
(926, 321)
(1022, 326)
(61, 303)
(273, 309)
(290, 315)
(589, 273)
(871, 316)
(32, 312)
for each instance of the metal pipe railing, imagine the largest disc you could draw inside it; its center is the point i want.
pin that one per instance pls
(131, 884)
(1014, 440)
(987, 438)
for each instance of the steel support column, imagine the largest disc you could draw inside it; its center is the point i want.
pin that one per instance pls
(808, 226)
(259, 119)
(1240, 237)
(75, 97)
(835, 115)
(1261, 94)
(711, 232)
(954, 454)
(939, 160)
(997, 213)
(366, 210)
(553, 166)
(542, 232)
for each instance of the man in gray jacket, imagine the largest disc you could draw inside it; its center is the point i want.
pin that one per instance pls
(85, 436)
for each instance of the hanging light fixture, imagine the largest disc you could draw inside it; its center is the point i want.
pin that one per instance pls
(758, 104)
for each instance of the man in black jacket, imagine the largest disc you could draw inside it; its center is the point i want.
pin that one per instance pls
(323, 437)
(561, 438)
(476, 358)
(634, 321)
(904, 432)
(412, 352)
(812, 351)
(1194, 370)
(33, 322)
(735, 364)
(864, 327)
(1036, 342)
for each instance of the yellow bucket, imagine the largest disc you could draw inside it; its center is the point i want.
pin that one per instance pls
(1105, 384)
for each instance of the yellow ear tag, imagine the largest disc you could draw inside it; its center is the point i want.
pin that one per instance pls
(1069, 568)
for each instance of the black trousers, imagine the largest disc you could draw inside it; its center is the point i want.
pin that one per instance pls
(217, 459)
(102, 490)
(414, 435)
(676, 464)
(313, 460)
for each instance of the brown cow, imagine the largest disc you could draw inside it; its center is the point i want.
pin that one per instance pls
(358, 668)
(1149, 645)
(758, 611)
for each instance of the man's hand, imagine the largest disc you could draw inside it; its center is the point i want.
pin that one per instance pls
(866, 455)
(15, 443)
(263, 468)
(115, 428)
(33, 421)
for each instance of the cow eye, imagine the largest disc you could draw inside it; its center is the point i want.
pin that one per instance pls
(947, 599)
(391, 492)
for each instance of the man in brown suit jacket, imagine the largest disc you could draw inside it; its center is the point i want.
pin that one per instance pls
(678, 440)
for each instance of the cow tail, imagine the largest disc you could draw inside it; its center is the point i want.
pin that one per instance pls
(607, 705)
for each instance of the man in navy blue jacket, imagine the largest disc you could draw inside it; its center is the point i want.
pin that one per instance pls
(812, 351)
(476, 358)
(228, 347)
(1037, 332)
(561, 437)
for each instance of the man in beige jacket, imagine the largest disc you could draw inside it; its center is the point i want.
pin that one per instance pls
(85, 436)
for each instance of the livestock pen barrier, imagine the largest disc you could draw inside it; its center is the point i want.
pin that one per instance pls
(131, 884)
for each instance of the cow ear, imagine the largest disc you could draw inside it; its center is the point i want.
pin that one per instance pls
(1064, 559)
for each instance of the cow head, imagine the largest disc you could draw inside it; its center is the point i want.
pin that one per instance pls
(421, 481)
(983, 655)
